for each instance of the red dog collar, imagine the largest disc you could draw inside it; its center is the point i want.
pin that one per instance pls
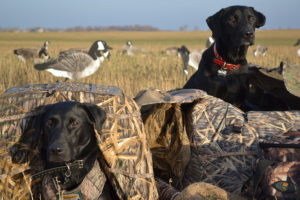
(222, 63)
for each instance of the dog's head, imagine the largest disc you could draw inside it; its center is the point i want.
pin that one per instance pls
(235, 25)
(68, 131)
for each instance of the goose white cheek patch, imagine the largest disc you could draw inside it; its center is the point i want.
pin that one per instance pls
(100, 46)
(106, 54)
(21, 58)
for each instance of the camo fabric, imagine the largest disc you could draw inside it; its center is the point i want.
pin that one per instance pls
(280, 181)
(164, 126)
(224, 141)
(278, 171)
(125, 154)
(291, 74)
(224, 146)
(90, 188)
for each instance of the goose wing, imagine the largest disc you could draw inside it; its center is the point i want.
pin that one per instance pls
(69, 61)
(73, 50)
(123, 49)
(27, 53)
(195, 58)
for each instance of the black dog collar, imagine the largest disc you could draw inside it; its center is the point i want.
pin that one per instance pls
(67, 169)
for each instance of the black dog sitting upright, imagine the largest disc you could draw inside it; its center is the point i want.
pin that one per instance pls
(223, 69)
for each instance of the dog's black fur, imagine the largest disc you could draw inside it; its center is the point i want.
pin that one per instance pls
(64, 133)
(233, 29)
(68, 135)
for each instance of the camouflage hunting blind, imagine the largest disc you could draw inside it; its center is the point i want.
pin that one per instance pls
(126, 159)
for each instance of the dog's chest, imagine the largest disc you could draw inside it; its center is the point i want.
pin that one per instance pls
(222, 72)
(90, 188)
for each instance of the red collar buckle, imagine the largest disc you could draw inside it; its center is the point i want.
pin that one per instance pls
(222, 63)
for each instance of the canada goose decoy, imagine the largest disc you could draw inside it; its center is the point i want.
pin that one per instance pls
(209, 41)
(34, 54)
(192, 58)
(172, 51)
(260, 51)
(76, 63)
(131, 50)
(296, 44)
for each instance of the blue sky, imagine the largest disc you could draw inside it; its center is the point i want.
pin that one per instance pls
(163, 14)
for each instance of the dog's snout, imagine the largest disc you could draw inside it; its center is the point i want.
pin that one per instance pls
(249, 34)
(56, 149)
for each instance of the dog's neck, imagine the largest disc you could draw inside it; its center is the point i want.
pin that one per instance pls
(78, 174)
(233, 55)
(221, 62)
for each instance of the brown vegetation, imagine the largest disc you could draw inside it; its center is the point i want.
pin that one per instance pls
(132, 74)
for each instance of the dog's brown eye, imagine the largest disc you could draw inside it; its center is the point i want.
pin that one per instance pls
(74, 123)
(251, 19)
(49, 123)
(232, 19)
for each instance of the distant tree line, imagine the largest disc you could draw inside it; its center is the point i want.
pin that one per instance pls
(83, 29)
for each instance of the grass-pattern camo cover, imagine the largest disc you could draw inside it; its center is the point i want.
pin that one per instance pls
(128, 161)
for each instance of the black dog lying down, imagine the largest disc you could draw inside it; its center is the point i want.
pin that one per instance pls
(223, 69)
(67, 138)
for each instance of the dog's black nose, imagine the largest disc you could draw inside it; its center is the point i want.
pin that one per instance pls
(249, 34)
(56, 149)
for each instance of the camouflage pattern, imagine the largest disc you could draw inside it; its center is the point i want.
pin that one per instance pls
(274, 124)
(224, 147)
(280, 181)
(282, 148)
(282, 154)
(166, 133)
(225, 144)
(278, 170)
(224, 141)
(126, 157)
(90, 188)
(291, 74)
(274, 89)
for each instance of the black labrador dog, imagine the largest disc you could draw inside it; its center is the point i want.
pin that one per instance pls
(64, 134)
(68, 136)
(223, 69)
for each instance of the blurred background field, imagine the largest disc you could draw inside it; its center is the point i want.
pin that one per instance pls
(132, 74)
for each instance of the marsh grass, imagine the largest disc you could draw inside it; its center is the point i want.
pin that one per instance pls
(132, 74)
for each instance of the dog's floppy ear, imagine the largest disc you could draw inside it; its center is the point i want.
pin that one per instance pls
(23, 150)
(260, 18)
(96, 114)
(213, 22)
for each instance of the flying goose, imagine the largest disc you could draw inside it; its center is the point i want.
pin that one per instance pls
(192, 58)
(34, 54)
(260, 51)
(76, 63)
(130, 50)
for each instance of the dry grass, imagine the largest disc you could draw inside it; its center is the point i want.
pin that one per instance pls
(131, 74)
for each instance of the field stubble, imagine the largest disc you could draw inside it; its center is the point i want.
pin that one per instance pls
(132, 74)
